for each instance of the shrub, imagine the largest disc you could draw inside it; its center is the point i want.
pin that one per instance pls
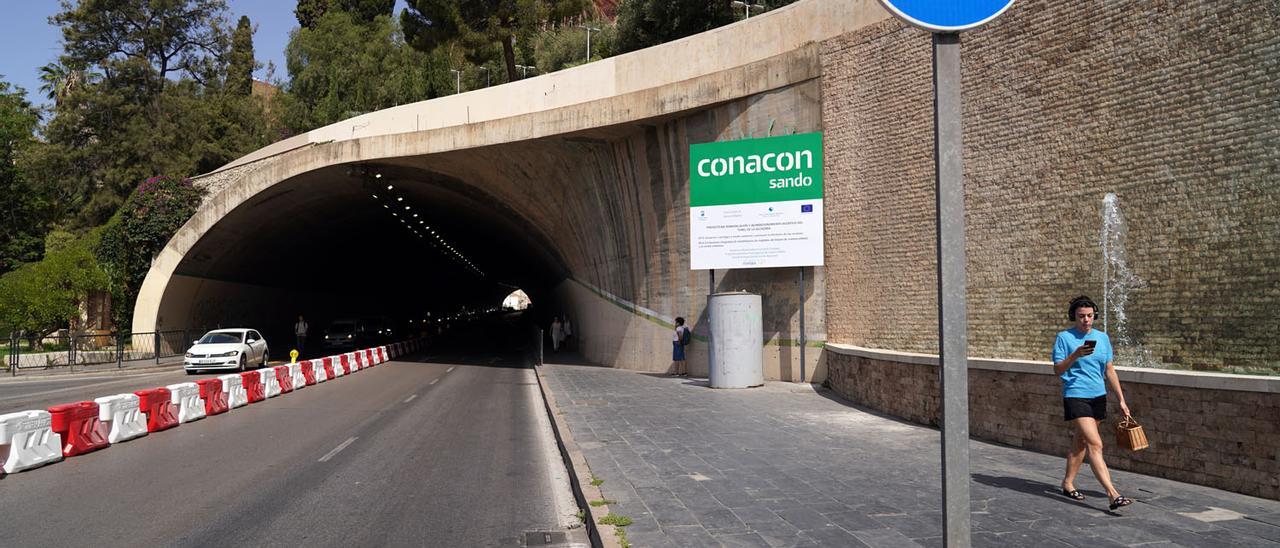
(138, 231)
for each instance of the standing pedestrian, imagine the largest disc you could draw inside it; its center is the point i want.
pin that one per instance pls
(568, 332)
(557, 334)
(1082, 358)
(680, 338)
(300, 332)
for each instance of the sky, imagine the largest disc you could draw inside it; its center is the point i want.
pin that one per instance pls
(28, 41)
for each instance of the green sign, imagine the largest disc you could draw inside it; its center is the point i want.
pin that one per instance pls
(771, 169)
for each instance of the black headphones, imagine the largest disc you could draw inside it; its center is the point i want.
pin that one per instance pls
(1082, 301)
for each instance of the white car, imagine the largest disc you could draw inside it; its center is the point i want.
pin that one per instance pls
(226, 349)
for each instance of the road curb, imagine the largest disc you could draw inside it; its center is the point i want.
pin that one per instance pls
(580, 476)
(119, 372)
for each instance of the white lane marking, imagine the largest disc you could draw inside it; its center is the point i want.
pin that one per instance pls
(410, 398)
(435, 381)
(335, 451)
(450, 370)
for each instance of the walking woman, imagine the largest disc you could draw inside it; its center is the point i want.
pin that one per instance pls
(1082, 358)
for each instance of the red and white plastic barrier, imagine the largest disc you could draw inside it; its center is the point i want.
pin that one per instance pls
(186, 398)
(123, 417)
(29, 440)
(383, 354)
(270, 384)
(344, 360)
(253, 387)
(215, 400)
(323, 369)
(158, 406)
(233, 389)
(360, 360)
(81, 429)
(284, 379)
(308, 370)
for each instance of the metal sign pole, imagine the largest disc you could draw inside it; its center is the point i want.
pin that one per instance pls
(952, 320)
(802, 365)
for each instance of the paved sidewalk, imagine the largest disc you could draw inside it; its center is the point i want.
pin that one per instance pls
(785, 465)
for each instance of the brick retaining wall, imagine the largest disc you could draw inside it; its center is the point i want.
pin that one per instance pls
(1211, 429)
(1174, 106)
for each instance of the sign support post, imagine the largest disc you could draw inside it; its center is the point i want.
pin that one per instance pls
(952, 319)
(802, 365)
(945, 19)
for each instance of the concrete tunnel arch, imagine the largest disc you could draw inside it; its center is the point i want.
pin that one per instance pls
(582, 172)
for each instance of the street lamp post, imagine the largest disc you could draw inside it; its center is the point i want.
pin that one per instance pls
(486, 76)
(747, 7)
(458, 78)
(589, 31)
(524, 70)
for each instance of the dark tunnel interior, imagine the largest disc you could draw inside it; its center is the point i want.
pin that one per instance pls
(370, 240)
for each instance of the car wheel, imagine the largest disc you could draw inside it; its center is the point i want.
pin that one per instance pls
(243, 362)
(264, 357)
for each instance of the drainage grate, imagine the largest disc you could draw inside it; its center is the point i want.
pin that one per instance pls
(543, 538)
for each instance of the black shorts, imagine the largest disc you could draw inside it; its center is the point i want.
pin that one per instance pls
(1074, 408)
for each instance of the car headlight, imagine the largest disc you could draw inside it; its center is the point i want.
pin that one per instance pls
(228, 354)
(348, 336)
(188, 355)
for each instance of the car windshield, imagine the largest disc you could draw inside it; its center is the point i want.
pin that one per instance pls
(221, 338)
(342, 328)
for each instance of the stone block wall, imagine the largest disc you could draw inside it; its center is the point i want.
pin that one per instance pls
(1199, 431)
(1173, 106)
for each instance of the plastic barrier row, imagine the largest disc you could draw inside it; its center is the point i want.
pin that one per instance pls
(30, 439)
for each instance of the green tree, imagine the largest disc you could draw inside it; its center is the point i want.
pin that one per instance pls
(22, 204)
(309, 12)
(564, 46)
(138, 232)
(368, 10)
(41, 297)
(160, 105)
(644, 23)
(344, 67)
(241, 63)
(485, 29)
(167, 36)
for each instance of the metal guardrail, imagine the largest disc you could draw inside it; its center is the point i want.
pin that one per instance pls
(97, 350)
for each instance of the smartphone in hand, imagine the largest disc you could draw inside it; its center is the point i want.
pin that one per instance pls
(1090, 344)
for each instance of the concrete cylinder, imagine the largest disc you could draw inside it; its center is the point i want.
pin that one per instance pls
(737, 332)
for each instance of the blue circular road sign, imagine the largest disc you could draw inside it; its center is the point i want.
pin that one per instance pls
(947, 15)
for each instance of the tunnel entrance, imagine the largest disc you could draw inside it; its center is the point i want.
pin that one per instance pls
(407, 245)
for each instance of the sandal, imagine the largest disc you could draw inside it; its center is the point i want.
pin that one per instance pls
(1121, 501)
(1072, 494)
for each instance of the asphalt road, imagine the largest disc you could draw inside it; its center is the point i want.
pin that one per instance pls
(451, 449)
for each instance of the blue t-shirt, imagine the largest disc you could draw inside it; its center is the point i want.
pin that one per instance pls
(1086, 378)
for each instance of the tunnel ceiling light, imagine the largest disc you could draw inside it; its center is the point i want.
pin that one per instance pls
(389, 187)
(406, 207)
(399, 198)
(377, 175)
(375, 196)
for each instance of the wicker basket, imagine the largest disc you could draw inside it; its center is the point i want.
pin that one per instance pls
(1129, 435)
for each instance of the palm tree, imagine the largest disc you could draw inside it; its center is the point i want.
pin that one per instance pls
(59, 80)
